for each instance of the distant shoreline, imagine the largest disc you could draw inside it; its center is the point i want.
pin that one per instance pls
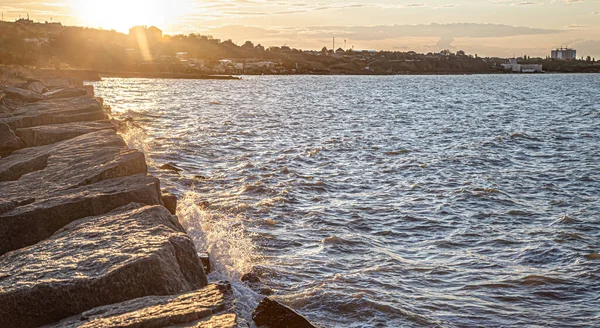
(167, 75)
(189, 76)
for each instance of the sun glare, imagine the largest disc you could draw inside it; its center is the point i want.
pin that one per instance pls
(121, 15)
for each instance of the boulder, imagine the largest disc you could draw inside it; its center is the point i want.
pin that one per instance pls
(49, 134)
(47, 187)
(170, 167)
(252, 280)
(271, 314)
(22, 94)
(8, 140)
(208, 307)
(131, 252)
(55, 111)
(89, 89)
(205, 258)
(65, 93)
(170, 202)
(35, 86)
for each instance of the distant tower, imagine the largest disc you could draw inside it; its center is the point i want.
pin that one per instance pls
(344, 44)
(333, 44)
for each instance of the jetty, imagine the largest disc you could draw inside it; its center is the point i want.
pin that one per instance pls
(85, 237)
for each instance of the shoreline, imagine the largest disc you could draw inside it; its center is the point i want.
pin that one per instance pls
(167, 75)
(74, 196)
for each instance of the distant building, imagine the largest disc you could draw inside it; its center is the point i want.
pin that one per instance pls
(24, 20)
(564, 53)
(513, 66)
(154, 32)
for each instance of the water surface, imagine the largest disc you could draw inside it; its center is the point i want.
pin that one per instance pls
(401, 201)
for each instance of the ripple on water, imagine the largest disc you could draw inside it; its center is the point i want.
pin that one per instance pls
(391, 201)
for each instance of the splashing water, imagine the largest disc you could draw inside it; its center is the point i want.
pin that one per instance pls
(223, 236)
(135, 138)
(231, 250)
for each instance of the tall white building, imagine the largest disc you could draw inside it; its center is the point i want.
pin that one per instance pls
(564, 53)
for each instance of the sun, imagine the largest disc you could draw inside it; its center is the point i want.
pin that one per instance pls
(121, 15)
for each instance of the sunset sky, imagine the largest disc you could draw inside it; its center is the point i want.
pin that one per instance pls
(486, 27)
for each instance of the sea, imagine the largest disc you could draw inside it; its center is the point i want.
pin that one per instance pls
(385, 201)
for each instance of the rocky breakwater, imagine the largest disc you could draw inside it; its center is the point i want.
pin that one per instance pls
(85, 240)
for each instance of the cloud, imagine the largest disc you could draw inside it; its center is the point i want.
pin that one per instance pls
(383, 32)
(526, 3)
(575, 27)
(577, 1)
(470, 30)
(444, 42)
(588, 48)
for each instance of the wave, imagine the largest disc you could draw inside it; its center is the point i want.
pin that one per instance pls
(135, 138)
(230, 247)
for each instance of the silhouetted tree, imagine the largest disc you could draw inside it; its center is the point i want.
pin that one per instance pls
(248, 45)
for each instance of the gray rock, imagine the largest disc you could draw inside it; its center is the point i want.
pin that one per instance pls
(205, 258)
(132, 252)
(170, 167)
(35, 86)
(272, 314)
(56, 111)
(170, 202)
(21, 94)
(9, 141)
(49, 134)
(252, 280)
(47, 187)
(201, 308)
(65, 93)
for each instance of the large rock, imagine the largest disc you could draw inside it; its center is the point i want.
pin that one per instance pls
(49, 134)
(47, 187)
(208, 307)
(55, 111)
(271, 314)
(65, 93)
(132, 252)
(22, 94)
(8, 140)
(35, 86)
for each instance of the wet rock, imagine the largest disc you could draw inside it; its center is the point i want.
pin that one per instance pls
(50, 186)
(49, 134)
(253, 281)
(170, 202)
(205, 258)
(35, 86)
(271, 314)
(207, 307)
(65, 93)
(250, 277)
(170, 167)
(55, 112)
(89, 90)
(21, 94)
(131, 252)
(9, 141)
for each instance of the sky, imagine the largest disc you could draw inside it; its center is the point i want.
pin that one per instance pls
(502, 28)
